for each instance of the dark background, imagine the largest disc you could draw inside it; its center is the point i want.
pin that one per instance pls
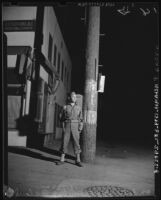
(125, 109)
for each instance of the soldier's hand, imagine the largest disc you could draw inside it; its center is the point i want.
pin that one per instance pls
(80, 127)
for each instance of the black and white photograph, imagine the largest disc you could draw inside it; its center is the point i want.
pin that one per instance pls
(80, 99)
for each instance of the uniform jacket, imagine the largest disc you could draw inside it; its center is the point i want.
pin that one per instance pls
(72, 114)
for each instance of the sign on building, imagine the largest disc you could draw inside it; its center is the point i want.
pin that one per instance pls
(101, 83)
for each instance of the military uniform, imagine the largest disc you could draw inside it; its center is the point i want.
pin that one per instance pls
(72, 121)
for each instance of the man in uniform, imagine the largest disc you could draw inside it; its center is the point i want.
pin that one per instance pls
(72, 124)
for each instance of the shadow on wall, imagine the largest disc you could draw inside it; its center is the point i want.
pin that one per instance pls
(25, 125)
(28, 127)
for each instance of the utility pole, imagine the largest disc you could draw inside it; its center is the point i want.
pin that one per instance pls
(90, 89)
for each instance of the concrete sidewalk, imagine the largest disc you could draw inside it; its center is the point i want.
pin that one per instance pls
(118, 170)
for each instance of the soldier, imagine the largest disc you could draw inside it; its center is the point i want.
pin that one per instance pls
(72, 124)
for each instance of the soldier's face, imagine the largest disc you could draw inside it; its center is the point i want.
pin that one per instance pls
(73, 97)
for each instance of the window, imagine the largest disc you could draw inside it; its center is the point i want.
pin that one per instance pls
(58, 109)
(65, 75)
(50, 44)
(62, 71)
(55, 54)
(55, 119)
(67, 80)
(58, 63)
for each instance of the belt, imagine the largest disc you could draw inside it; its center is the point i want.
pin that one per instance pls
(71, 120)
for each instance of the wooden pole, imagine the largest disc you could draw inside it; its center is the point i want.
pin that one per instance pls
(90, 90)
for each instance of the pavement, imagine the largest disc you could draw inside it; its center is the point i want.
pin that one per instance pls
(118, 170)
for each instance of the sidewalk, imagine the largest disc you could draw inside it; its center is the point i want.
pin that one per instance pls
(117, 171)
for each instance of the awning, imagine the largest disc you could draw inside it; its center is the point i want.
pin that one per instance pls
(18, 57)
(13, 50)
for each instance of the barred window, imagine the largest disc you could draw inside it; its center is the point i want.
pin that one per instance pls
(50, 44)
(67, 80)
(65, 75)
(58, 63)
(55, 54)
(58, 109)
(62, 71)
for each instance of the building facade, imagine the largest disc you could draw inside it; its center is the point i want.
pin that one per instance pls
(38, 73)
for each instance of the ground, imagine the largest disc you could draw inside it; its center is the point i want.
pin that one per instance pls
(118, 170)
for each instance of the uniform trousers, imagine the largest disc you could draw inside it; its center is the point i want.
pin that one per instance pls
(70, 131)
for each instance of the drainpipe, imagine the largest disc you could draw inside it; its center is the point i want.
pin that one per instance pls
(36, 51)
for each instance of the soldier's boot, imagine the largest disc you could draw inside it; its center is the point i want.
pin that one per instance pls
(78, 162)
(62, 159)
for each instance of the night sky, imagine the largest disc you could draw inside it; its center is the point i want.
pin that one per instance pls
(125, 109)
